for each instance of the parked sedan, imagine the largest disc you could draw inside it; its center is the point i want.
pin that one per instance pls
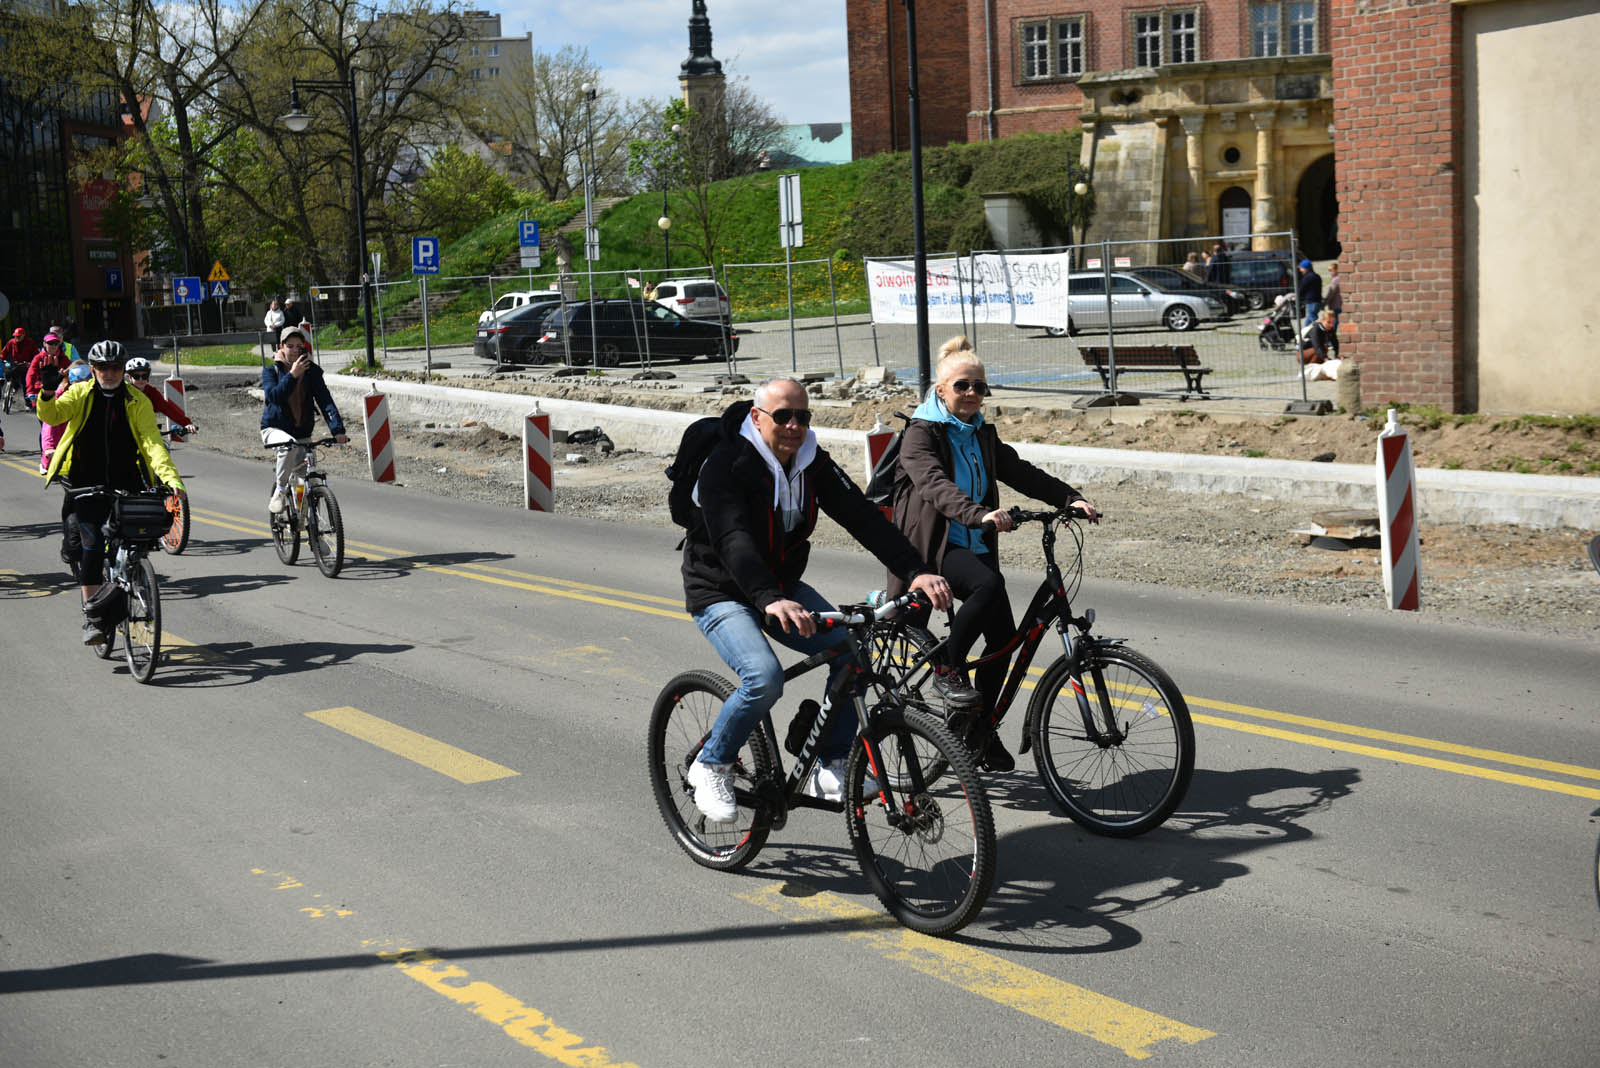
(509, 302)
(626, 329)
(513, 336)
(1173, 280)
(1133, 303)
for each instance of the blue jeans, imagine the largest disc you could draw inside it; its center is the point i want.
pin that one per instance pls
(1311, 309)
(734, 631)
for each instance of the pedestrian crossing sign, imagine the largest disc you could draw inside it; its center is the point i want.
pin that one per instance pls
(219, 273)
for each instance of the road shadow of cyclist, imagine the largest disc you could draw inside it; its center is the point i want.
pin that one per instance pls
(241, 663)
(29, 531)
(363, 568)
(1060, 889)
(224, 546)
(19, 587)
(194, 587)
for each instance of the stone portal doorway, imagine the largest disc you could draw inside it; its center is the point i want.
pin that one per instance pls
(1316, 221)
(1235, 212)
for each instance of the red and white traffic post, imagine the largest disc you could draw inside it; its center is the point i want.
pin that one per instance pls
(536, 477)
(878, 439)
(380, 442)
(172, 390)
(1397, 516)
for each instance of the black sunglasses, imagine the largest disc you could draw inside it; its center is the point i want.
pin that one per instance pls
(142, 376)
(977, 385)
(785, 416)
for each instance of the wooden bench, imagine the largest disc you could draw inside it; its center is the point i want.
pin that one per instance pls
(1132, 359)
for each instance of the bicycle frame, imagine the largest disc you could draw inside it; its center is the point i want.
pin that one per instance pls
(1051, 606)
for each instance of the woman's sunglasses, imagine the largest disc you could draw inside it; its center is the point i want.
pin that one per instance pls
(785, 416)
(141, 376)
(976, 385)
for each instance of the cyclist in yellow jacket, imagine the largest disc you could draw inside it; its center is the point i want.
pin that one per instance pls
(110, 440)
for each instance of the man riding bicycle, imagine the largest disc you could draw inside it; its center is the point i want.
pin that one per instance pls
(758, 492)
(111, 440)
(293, 392)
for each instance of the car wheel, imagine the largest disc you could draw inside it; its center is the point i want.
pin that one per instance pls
(532, 353)
(1258, 300)
(1056, 331)
(609, 355)
(1179, 317)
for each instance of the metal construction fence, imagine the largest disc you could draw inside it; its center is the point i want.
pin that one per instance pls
(1111, 320)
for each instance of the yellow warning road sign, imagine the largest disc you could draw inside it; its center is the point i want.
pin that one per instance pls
(219, 273)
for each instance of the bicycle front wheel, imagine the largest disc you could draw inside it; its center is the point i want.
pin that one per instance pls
(285, 535)
(177, 537)
(325, 529)
(1124, 767)
(901, 652)
(680, 723)
(141, 628)
(930, 861)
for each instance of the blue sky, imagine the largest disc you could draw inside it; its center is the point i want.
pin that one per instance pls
(792, 53)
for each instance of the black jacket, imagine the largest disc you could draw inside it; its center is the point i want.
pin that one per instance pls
(742, 553)
(1309, 288)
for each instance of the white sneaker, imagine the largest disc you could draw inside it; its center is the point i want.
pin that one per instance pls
(827, 781)
(713, 791)
(276, 504)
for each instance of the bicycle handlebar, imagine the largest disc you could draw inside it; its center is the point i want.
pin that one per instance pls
(319, 443)
(856, 615)
(1020, 516)
(76, 492)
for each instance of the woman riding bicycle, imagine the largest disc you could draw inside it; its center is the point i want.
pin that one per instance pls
(110, 440)
(951, 461)
(293, 392)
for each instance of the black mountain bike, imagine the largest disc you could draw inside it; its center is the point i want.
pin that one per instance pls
(132, 594)
(311, 507)
(1109, 730)
(915, 810)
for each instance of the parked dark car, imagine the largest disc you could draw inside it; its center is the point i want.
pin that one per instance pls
(1260, 276)
(1172, 280)
(626, 328)
(513, 336)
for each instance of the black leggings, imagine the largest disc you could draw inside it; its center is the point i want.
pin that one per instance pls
(82, 519)
(985, 610)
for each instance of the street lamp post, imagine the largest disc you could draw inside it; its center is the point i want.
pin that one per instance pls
(665, 222)
(919, 253)
(1079, 190)
(591, 237)
(298, 121)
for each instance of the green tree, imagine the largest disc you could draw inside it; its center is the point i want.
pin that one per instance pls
(458, 191)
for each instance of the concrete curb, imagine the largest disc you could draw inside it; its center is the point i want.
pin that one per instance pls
(1538, 501)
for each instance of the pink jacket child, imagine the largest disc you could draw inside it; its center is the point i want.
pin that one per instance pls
(50, 434)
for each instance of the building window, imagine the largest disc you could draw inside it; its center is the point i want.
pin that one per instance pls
(1050, 49)
(494, 72)
(1283, 29)
(474, 50)
(494, 50)
(1184, 27)
(1147, 40)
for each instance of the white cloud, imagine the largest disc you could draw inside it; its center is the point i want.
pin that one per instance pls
(794, 55)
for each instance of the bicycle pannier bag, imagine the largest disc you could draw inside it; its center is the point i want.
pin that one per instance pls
(143, 518)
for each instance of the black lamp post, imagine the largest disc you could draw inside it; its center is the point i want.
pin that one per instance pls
(665, 222)
(298, 121)
(919, 256)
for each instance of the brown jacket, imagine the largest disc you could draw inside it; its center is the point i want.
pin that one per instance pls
(927, 500)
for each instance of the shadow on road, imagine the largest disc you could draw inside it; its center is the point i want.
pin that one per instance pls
(240, 663)
(362, 568)
(195, 587)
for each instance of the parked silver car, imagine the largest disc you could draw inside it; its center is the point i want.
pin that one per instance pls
(1133, 303)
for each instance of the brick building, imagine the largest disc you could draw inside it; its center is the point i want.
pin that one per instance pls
(1466, 136)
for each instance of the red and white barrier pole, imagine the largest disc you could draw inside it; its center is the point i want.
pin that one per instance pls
(380, 442)
(536, 477)
(172, 389)
(878, 439)
(1397, 516)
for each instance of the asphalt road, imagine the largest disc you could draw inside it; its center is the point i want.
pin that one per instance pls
(402, 817)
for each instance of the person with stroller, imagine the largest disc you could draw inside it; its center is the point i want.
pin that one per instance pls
(952, 462)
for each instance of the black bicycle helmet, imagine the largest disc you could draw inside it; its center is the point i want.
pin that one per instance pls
(108, 352)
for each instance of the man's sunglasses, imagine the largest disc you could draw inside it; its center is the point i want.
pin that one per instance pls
(785, 416)
(976, 385)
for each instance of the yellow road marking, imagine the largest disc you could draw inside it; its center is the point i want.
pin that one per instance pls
(431, 753)
(526, 1025)
(1116, 1023)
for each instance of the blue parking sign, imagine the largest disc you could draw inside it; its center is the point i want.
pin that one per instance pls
(528, 233)
(424, 255)
(113, 279)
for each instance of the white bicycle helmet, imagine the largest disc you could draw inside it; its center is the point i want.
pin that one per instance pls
(108, 352)
(137, 365)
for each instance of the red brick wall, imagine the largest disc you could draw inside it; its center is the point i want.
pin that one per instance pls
(878, 74)
(1397, 116)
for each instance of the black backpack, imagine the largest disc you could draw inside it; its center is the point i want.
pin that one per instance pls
(886, 472)
(699, 438)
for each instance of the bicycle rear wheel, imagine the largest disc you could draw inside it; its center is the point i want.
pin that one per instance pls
(141, 627)
(932, 862)
(286, 535)
(325, 529)
(177, 537)
(1127, 768)
(679, 725)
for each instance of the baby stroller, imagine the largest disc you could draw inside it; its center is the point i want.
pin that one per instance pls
(1278, 329)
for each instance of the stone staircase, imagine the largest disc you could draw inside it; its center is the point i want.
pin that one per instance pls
(512, 264)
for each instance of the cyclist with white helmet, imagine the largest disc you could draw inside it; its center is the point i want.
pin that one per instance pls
(138, 371)
(110, 440)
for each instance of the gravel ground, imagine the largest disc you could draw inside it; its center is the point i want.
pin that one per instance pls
(1226, 544)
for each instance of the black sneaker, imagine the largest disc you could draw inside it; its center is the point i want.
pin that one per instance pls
(996, 757)
(954, 690)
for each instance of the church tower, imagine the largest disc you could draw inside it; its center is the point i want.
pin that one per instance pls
(701, 76)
